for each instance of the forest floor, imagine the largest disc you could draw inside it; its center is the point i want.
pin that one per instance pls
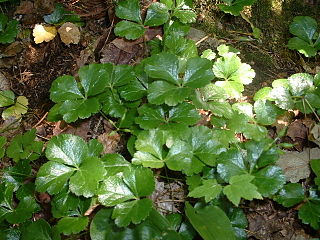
(29, 69)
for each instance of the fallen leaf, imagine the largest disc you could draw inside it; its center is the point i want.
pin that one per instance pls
(13, 49)
(283, 121)
(315, 134)
(25, 7)
(4, 83)
(69, 33)
(295, 165)
(42, 33)
(297, 130)
(110, 142)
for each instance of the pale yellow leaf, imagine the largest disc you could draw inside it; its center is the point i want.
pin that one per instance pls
(42, 33)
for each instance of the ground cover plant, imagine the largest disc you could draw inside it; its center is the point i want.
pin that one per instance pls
(183, 116)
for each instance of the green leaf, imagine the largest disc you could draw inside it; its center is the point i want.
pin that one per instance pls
(114, 191)
(129, 30)
(155, 116)
(266, 112)
(233, 89)
(302, 46)
(163, 66)
(304, 27)
(115, 163)
(198, 72)
(157, 15)
(149, 145)
(309, 213)
(160, 92)
(26, 207)
(94, 78)
(25, 147)
(185, 15)
(52, 177)
(67, 149)
(70, 158)
(20, 107)
(300, 83)
(315, 166)
(133, 211)
(241, 187)
(209, 189)
(6, 98)
(17, 174)
(129, 10)
(210, 222)
(282, 97)
(269, 180)
(234, 7)
(180, 46)
(60, 15)
(290, 195)
(231, 163)
(38, 230)
(87, 177)
(64, 204)
(3, 21)
(262, 94)
(140, 180)
(9, 31)
(229, 67)
(72, 225)
(64, 88)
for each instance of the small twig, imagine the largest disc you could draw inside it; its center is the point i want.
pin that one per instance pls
(202, 39)
(40, 121)
(39, 136)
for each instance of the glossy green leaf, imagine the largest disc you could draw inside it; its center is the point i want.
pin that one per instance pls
(64, 204)
(17, 174)
(282, 97)
(161, 92)
(133, 211)
(72, 225)
(8, 29)
(72, 110)
(64, 88)
(290, 195)
(269, 180)
(266, 112)
(302, 46)
(315, 166)
(60, 15)
(185, 15)
(309, 213)
(140, 180)
(38, 230)
(6, 98)
(3, 141)
(26, 207)
(241, 187)
(25, 147)
(262, 94)
(210, 222)
(129, 10)
(52, 177)
(114, 191)
(129, 30)
(157, 15)
(87, 177)
(149, 145)
(234, 7)
(209, 189)
(180, 46)
(67, 149)
(155, 116)
(115, 163)
(70, 158)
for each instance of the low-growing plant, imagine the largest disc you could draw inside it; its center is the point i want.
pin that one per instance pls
(15, 106)
(307, 36)
(234, 7)
(8, 29)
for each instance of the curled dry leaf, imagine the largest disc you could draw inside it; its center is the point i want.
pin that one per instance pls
(69, 33)
(295, 165)
(43, 34)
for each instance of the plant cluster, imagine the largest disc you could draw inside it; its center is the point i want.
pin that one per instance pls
(8, 29)
(156, 102)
